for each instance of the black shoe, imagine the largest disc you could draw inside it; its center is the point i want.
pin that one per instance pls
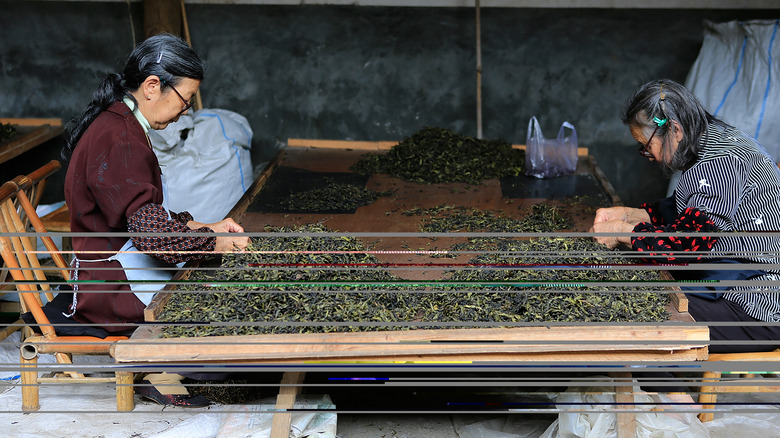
(149, 392)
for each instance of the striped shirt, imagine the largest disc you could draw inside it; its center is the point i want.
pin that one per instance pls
(737, 185)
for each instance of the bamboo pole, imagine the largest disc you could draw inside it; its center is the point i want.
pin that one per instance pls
(30, 401)
(479, 76)
(124, 391)
(186, 26)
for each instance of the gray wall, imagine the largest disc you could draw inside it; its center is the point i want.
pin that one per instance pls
(373, 73)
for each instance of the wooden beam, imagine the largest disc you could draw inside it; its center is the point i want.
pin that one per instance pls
(624, 397)
(162, 16)
(31, 122)
(372, 145)
(289, 389)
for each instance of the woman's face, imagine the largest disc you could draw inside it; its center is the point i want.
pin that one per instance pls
(166, 106)
(652, 147)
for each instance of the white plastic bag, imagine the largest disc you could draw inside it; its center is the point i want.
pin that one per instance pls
(548, 158)
(209, 171)
(601, 420)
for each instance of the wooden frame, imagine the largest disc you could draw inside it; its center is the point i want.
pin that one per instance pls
(32, 133)
(680, 342)
(21, 260)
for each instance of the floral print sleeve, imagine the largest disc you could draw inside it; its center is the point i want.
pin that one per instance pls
(667, 248)
(153, 218)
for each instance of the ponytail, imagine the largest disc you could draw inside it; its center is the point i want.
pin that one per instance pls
(109, 91)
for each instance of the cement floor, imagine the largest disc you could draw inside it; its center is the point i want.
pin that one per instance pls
(425, 411)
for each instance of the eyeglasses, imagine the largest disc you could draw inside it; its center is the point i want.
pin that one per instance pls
(187, 105)
(644, 150)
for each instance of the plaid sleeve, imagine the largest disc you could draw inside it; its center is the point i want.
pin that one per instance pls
(182, 217)
(667, 248)
(153, 218)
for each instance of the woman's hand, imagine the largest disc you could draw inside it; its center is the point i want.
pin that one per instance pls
(224, 243)
(609, 228)
(632, 216)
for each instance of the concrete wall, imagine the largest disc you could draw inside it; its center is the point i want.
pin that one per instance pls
(374, 73)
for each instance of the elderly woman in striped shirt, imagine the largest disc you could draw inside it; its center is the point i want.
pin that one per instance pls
(725, 205)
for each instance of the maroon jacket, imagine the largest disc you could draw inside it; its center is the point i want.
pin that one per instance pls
(113, 184)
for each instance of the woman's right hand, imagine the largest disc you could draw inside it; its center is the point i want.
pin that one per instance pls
(225, 243)
(632, 216)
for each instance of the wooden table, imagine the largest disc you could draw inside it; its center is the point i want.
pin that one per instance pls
(30, 134)
(679, 340)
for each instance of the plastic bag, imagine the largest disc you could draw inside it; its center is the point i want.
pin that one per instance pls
(600, 419)
(548, 158)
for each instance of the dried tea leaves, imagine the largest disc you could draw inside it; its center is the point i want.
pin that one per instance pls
(311, 283)
(333, 196)
(569, 268)
(446, 218)
(436, 155)
(7, 132)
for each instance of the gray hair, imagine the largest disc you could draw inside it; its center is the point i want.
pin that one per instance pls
(665, 99)
(167, 56)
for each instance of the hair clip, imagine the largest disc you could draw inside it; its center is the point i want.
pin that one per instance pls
(663, 95)
(660, 122)
(159, 57)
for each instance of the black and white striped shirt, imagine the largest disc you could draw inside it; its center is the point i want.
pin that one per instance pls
(737, 185)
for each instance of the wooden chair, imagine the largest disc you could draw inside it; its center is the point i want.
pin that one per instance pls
(708, 394)
(20, 258)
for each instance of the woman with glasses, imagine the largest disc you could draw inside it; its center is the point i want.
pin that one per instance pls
(725, 205)
(114, 184)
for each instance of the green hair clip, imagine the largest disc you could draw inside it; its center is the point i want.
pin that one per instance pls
(660, 122)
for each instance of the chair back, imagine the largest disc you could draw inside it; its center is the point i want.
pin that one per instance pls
(32, 186)
(20, 255)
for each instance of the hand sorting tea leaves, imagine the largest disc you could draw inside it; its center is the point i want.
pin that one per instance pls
(436, 155)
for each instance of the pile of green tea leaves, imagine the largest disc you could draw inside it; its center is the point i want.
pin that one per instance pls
(295, 279)
(573, 271)
(332, 196)
(7, 132)
(448, 219)
(436, 155)
(312, 284)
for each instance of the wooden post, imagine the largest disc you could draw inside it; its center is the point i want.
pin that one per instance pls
(162, 16)
(625, 425)
(124, 392)
(30, 401)
(280, 426)
(707, 395)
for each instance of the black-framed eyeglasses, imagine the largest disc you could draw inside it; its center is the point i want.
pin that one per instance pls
(187, 105)
(644, 150)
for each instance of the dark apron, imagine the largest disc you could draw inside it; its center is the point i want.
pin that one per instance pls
(713, 292)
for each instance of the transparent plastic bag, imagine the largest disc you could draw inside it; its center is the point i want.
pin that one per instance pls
(548, 158)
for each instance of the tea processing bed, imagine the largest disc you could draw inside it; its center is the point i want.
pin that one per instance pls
(531, 348)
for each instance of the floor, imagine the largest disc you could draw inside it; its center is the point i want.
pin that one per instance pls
(337, 405)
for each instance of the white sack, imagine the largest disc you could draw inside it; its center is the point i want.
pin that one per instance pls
(209, 171)
(737, 77)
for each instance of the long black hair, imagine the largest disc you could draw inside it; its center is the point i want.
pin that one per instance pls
(666, 99)
(167, 56)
